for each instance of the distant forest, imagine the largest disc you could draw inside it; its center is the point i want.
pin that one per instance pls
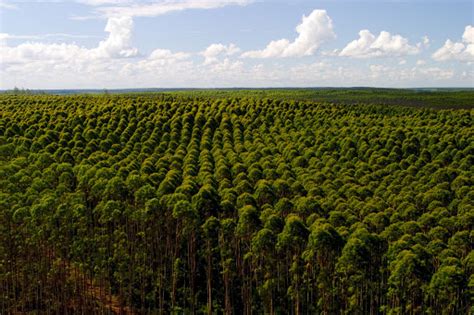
(422, 97)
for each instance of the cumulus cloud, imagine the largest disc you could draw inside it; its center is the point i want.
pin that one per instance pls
(384, 45)
(462, 51)
(159, 62)
(213, 52)
(227, 65)
(42, 63)
(116, 45)
(39, 51)
(165, 54)
(314, 30)
(468, 35)
(114, 62)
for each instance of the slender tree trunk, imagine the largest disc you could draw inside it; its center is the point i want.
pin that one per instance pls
(209, 275)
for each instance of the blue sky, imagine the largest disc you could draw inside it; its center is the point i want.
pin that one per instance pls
(235, 43)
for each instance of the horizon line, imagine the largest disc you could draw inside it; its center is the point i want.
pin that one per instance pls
(241, 88)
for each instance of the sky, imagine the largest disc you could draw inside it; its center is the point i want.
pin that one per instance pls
(80, 44)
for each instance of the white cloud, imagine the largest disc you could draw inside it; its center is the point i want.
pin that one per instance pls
(165, 54)
(114, 63)
(437, 73)
(103, 2)
(160, 61)
(384, 45)
(468, 35)
(6, 5)
(420, 62)
(462, 51)
(214, 51)
(227, 65)
(425, 41)
(151, 9)
(108, 64)
(451, 51)
(314, 30)
(32, 51)
(164, 68)
(321, 73)
(397, 74)
(468, 75)
(5, 36)
(118, 44)
(7, 54)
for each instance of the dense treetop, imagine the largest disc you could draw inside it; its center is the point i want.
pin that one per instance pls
(197, 202)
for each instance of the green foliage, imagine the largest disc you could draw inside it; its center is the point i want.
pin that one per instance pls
(272, 201)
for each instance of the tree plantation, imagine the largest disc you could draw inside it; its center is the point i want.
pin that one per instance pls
(233, 204)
